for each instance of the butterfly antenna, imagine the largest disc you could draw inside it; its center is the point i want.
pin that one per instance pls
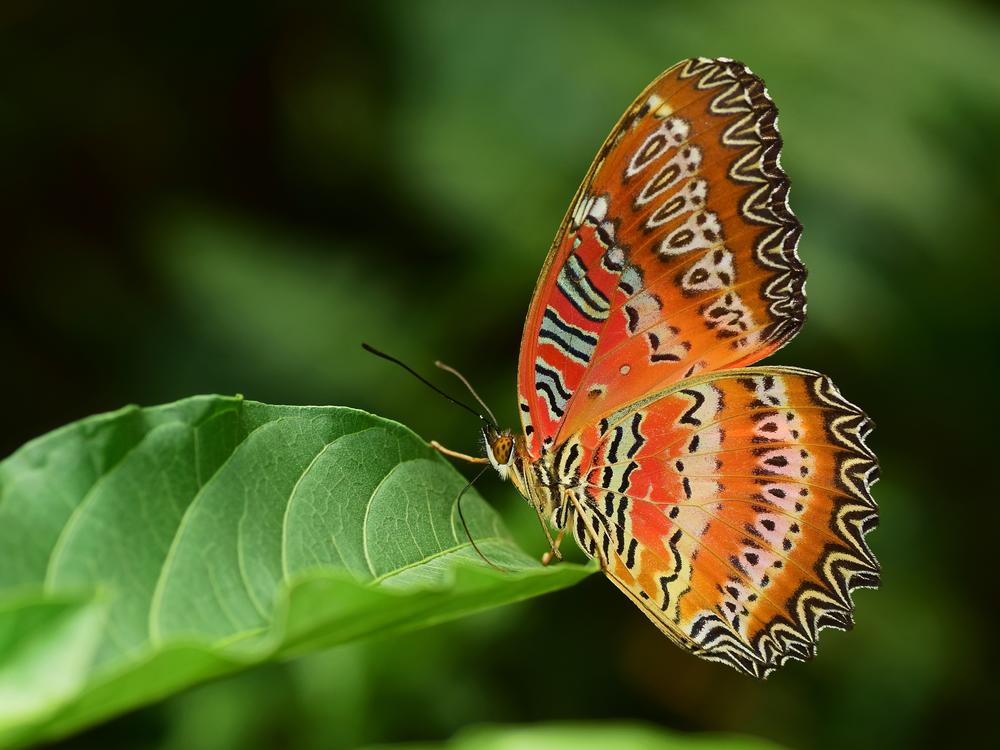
(467, 384)
(461, 515)
(421, 378)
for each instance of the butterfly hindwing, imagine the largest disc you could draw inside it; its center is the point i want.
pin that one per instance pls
(732, 508)
(677, 255)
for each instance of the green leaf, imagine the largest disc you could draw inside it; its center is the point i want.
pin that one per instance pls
(588, 737)
(148, 549)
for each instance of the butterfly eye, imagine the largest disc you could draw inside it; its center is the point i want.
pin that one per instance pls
(502, 450)
(499, 450)
(505, 450)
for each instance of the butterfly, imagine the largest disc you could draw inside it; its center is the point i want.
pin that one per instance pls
(729, 503)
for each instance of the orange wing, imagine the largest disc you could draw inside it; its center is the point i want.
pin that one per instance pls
(677, 255)
(732, 509)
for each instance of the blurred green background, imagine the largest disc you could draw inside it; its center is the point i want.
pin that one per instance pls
(228, 197)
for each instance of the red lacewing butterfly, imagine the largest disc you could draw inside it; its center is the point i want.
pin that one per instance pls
(729, 503)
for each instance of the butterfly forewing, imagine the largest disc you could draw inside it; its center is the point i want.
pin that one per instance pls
(733, 510)
(677, 255)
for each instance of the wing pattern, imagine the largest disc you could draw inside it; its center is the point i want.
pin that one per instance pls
(732, 509)
(677, 255)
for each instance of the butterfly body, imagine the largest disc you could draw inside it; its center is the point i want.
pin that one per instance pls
(730, 503)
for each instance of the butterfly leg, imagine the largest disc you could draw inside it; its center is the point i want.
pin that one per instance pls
(579, 510)
(554, 553)
(455, 454)
(553, 543)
